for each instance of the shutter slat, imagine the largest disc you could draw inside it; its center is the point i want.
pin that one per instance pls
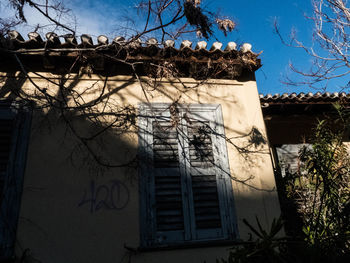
(169, 192)
(207, 210)
(206, 204)
(163, 180)
(208, 180)
(166, 133)
(169, 220)
(167, 140)
(204, 190)
(174, 206)
(170, 227)
(208, 224)
(204, 184)
(167, 186)
(202, 155)
(198, 143)
(166, 164)
(206, 197)
(202, 164)
(162, 158)
(207, 217)
(167, 212)
(164, 148)
(165, 152)
(168, 199)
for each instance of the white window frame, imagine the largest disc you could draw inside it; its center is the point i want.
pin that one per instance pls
(150, 237)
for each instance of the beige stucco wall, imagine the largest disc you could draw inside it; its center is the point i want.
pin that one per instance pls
(58, 226)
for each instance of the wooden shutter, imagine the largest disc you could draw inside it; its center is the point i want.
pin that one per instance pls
(14, 134)
(164, 212)
(211, 203)
(168, 189)
(5, 143)
(186, 192)
(203, 176)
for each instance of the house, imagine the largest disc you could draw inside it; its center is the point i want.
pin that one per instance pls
(291, 121)
(292, 118)
(129, 150)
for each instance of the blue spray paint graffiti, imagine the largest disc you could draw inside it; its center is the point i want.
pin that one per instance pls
(113, 195)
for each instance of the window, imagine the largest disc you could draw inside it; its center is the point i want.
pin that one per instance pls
(288, 157)
(14, 127)
(186, 190)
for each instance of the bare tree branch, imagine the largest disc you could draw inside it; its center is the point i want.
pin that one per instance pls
(330, 48)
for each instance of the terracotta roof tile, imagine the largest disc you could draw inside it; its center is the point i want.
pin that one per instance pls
(86, 40)
(304, 98)
(230, 62)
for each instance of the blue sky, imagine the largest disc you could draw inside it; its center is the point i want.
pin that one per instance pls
(254, 20)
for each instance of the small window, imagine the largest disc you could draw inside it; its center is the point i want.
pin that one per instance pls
(14, 131)
(186, 190)
(288, 157)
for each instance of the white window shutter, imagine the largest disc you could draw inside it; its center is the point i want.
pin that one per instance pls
(189, 193)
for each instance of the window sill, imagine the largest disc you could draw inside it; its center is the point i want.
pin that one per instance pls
(191, 244)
